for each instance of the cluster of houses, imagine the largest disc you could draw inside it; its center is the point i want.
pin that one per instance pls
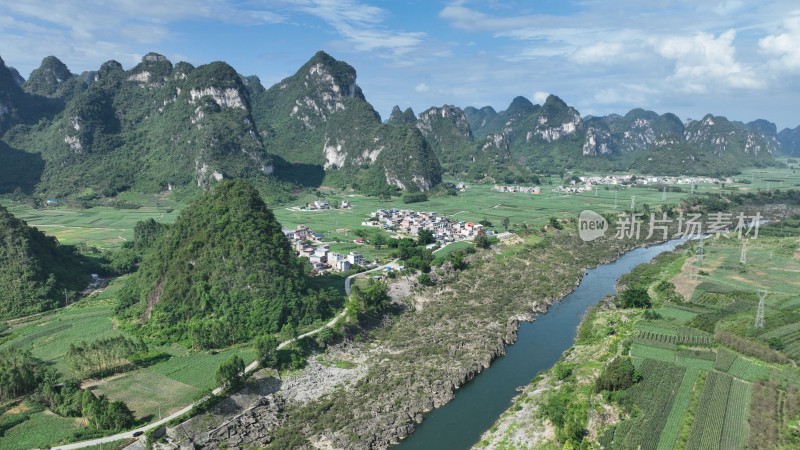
(308, 244)
(645, 180)
(587, 184)
(408, 222)
(525, 189)
(320, 205)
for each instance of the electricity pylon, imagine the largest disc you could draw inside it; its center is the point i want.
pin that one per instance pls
(762, 294)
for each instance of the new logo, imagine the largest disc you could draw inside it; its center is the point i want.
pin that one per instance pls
(591, 225)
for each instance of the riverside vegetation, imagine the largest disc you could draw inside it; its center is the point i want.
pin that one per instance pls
(689, 372)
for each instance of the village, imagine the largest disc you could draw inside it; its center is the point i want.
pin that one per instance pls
(321, 205)
(587, 184)
(523, 189)
(409, 223)
(400, 223)
(308, 244)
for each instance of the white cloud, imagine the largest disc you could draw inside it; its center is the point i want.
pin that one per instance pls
(422, 87)
(704, 62)
(360, 24)
(602, 52)
(539, 97)
(784, 45)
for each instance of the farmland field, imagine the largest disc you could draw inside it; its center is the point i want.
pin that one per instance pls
(654, 397)
(710, 418)
(679, 406)
(710, 408)
(40, 431)
(170, 384)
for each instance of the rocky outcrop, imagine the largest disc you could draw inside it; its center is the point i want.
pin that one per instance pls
(598, 142)
(226, 98)
(452, 115)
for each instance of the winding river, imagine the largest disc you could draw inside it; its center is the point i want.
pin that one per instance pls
(477, 405)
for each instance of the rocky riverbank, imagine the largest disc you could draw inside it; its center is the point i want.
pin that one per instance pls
(446, 335)
(250, 417)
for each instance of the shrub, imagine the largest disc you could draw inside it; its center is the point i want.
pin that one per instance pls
(619, 374)
(415, 197)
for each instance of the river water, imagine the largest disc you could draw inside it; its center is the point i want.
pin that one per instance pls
(477, 405)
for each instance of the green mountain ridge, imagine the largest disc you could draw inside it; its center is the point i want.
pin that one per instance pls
(158, 127)
(36, 273)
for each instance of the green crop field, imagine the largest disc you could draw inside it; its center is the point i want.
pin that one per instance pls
(102, 227)
(734, 434)
(50, 336)
(679, 406)
(170, 384)
(653, 396)
(710, 417)
(41, 430)
(679, 315)
(747, 369)
(148, 393)
(723, 300)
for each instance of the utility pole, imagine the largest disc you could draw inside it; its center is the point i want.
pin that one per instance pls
(615, 199)
(762, 294)
(633, 203)
(664, 194)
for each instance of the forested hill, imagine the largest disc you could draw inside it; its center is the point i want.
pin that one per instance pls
(223, 273)
(36, 273)
(158, 127)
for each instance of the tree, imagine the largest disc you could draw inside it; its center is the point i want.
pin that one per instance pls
(506, 223)
(267, 347)
(370, 301)
(619, 374)
(425, 237)
(482, 241)
(554, 222)
(230, 373)
(379, 240)
(635, 297)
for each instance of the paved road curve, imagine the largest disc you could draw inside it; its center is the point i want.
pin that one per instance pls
(250, 368)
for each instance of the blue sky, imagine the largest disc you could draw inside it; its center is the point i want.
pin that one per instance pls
(735, 58)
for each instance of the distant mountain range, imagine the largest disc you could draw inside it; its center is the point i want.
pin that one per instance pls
(554, 137)
(158, 127)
